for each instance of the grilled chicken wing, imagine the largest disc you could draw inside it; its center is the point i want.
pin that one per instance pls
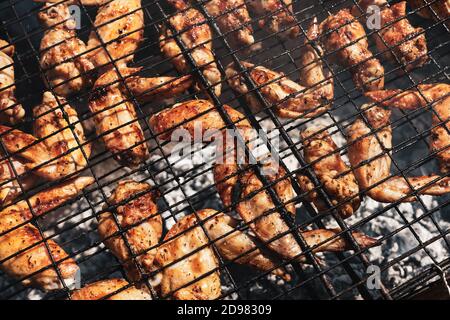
(338, 180)
(436, 94)
(188, 274)
(231, 16)
(119, 30)
(397, 38)
(116, 120)
(13, 178)
(63, 54)
(438, 10)
(368, 154)
(196, 35)
(140, 218)
(82, 2)
(45, 155)
(53, 127)
(289, 99)
(111, 289)
(10, 110)
(252, 210)
(342, 34)
(17, 234)
(276, 16)
(235, 245)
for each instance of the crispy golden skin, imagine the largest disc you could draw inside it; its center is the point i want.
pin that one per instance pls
(189, 115)
(19, 234)
(13, 176)
(368, 154)
(183, 239)
(276, 16)
(196, 35)
(397, 39)
(44, 154)
(10, 110)
(342, 34)
(108, 288)
(141, 217)
(63, 54)
(336, 177)
(440, 9)
(119, 32)
(232, 17)
(435, 94)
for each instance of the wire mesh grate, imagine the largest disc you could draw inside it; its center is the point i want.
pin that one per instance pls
(413, 239)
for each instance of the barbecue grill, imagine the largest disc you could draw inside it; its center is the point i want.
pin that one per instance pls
(413, 239)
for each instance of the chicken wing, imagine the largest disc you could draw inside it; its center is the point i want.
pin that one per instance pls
(82, 2)
(397, 38)
(196, 35)
(343, 35)
(336, 177)
(44, 155)
(289, 99)
(436, 94)
(188, 274)
(276, 16)
(231, 16)
(63, 54)
(10, 110)
(13, 177)
(112, 289)
(119, 30)
(18, 234)
(438, 10)
(371, 162)
(237, 246)
(141, 220)
(54, 119)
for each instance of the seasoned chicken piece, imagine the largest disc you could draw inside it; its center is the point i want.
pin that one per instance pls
(436, 94)
(395, 29)
(438, 10)
(116, 120)
(58, 127)
(139, 217)
(10, 110)
(336, 177)
(111, 289)
(276, 16)
(13, 177)
(82, 2)
(201, 113)
(45, 155)
(63, 54)
(343, 35)
(19, 235)
(196, 35)
(119, 30)
(370, 160)
(188, 275)
(231, 16)
(237, 246)
(289, 99)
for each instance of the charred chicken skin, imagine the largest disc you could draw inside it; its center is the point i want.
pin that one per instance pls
(255, 202)
(338, 180)
(19, 234)
(10, 110)
(342, 34)
(398, 40)
(139, 216)
(196, 35)
(111, 289)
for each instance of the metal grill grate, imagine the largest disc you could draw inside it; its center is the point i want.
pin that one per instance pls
(186, 190)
